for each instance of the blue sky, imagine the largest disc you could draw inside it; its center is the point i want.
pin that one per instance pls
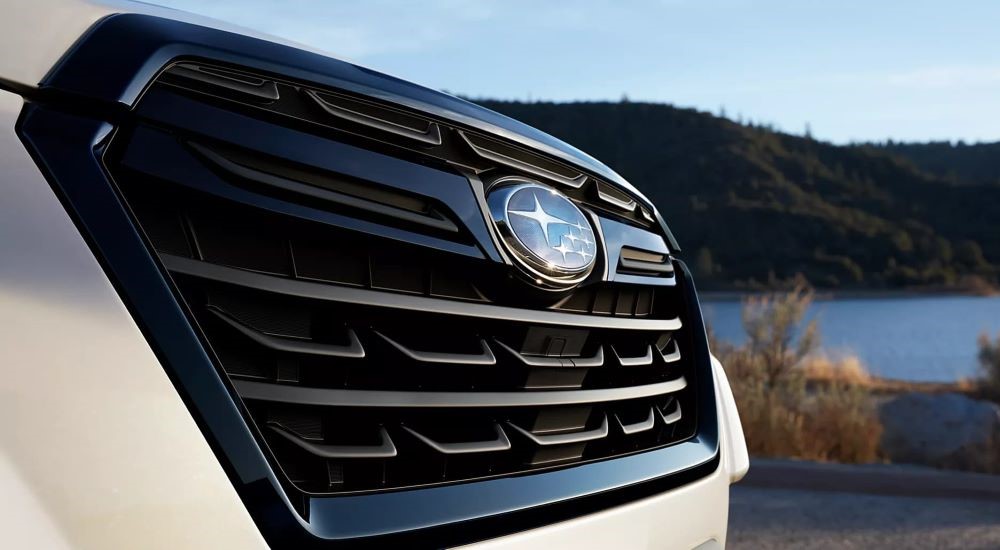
(906, 70)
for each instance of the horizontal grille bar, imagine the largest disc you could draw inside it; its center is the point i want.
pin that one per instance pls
(373, 398)
(332, 293)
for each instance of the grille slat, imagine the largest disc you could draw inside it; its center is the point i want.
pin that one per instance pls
(317, 291)
(595, 360)
(483, 357)
(257, 88)
(353, 349)
(545, 440)
(500, 443)
(674, 415)
(282, 393)
(508, 155)
(635, 361)
(637, 427)
(403, 125)
(385, 449)
(673, 355)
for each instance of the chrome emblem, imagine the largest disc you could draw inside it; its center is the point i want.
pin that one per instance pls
(547, 234)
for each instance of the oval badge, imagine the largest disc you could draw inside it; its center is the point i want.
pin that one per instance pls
(545, 231)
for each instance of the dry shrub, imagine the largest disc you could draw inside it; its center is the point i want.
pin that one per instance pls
(846, 370)
(782, 416)
(842, 425)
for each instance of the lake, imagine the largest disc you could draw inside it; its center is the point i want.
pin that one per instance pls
(911, 338)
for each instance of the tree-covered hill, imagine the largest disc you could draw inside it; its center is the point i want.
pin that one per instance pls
(977, 163)
(753, 207)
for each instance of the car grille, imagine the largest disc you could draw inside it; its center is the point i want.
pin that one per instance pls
(391, 352)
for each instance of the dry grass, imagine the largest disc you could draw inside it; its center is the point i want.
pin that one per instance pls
(797, 402)
(782, 414)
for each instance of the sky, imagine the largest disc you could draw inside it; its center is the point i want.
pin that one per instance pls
(850, 70)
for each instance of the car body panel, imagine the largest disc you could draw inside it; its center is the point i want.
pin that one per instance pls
(99, 450)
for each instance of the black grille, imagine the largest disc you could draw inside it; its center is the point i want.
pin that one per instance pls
(386, 124)
(392, 353)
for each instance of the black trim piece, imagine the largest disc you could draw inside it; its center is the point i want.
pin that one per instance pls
(363, 297)
(260, 89)
(430, 135)
(284, 393)
(632, 260)
(524, 161)
(574, 492)
(432, 219)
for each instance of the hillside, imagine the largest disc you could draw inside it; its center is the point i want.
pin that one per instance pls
(753, 207)
(977, 163)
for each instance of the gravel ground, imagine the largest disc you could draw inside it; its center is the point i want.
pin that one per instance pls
(783, 518)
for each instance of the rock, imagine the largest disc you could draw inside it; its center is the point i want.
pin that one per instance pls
(943, 430)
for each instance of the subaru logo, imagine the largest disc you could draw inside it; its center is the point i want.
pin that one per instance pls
(546, 233)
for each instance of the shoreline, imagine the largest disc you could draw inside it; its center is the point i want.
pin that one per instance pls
(891, 386)
(832, 295)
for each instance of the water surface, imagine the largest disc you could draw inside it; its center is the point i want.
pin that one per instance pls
(912, 338)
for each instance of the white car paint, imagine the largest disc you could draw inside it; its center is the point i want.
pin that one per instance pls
(97, 450)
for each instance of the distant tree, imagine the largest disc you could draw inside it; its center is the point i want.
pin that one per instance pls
(771, 323)
(970, 254)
